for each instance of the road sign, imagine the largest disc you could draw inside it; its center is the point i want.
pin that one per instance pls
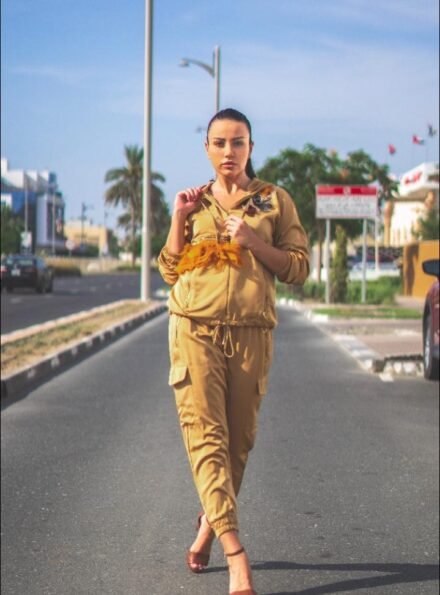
(70, 244)
(346, 202)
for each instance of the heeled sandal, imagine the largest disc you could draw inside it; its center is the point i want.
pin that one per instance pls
(246, 591)
(199, 558)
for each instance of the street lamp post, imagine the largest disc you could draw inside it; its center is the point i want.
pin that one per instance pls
(54, 197)
(26, 215)
(146, 186)
(213, 70)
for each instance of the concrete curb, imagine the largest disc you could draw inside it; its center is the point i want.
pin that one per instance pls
(50, 324)
(408, 364)
(28, 378)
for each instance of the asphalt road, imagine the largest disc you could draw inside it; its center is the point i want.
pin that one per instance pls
(24, 307)
(340, 494)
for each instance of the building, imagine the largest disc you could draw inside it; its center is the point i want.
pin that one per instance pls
(81, 233)
(418, 192)
(34, 196)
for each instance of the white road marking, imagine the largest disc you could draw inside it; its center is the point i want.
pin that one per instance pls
(386, 377)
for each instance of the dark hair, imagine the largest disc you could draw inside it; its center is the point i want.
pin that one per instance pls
(233, 114)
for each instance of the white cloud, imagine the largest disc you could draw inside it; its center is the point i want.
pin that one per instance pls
(388, 14)
(333, 80)
(64, 75)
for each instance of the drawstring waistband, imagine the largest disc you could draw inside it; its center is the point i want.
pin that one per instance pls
(227, 344)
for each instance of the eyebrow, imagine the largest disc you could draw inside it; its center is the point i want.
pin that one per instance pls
(222, 138)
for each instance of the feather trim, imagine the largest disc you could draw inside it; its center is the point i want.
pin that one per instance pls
(208, 253)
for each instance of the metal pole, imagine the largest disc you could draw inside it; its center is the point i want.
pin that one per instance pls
(83, 212)
(53, 222)
(376, 244)
(364, 261)
(146, 187)
(327, 261)
(217, 77)
(26, 222)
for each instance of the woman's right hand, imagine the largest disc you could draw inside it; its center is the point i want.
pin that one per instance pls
(187, 201)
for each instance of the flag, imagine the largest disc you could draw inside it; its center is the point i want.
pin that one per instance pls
(417, 140)
(431, 130)
(391, 149)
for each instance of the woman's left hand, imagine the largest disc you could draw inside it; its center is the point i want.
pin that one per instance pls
(239, 231)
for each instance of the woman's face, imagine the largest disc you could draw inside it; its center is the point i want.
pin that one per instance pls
(228, 147)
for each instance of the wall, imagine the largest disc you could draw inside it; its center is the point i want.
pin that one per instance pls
(86, 265)
(415, 282)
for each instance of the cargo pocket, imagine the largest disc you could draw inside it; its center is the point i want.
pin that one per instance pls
(178, 374)
(180, 380)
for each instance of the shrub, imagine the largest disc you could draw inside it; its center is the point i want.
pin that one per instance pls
(382, 291)
(339, 268)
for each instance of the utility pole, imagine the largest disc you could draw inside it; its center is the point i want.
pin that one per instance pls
(84, 209)
(54, 198)
(146, 186)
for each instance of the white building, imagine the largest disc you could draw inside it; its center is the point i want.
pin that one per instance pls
(35, 197)
(418, 192)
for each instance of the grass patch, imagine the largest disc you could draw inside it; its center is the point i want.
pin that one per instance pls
(359, 312)
(23, 352)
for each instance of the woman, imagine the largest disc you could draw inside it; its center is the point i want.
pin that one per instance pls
(228, 241)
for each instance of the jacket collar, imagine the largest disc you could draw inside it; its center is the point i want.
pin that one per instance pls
(255, 187)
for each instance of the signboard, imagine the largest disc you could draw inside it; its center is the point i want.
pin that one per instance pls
(26, 239)
(346, 202)
(70, 244)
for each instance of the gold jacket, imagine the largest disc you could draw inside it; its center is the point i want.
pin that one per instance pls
(217, 282)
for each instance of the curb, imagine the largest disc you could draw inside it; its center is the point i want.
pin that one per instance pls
(20, 383)
(386, 367)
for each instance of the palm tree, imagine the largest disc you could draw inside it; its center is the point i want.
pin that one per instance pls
(126, 191)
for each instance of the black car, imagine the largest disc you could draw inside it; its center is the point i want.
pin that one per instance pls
(26, 270)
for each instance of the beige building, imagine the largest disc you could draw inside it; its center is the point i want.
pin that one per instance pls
(80, 233)
(418, 192)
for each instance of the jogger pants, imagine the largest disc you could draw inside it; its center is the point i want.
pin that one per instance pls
(219, 375)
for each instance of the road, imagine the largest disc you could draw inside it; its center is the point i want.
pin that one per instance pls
(340, 494)
(24, 307)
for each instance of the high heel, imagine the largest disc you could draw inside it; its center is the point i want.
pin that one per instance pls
(246, 591)
(197, 558)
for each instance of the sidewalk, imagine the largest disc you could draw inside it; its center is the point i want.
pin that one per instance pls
(388, 346)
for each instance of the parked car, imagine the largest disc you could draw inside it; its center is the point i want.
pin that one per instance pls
(26, 270)
(431, 322)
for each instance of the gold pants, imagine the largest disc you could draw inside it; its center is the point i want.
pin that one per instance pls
(219, 376)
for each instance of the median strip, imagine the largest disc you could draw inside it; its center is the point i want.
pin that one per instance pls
(32, 358)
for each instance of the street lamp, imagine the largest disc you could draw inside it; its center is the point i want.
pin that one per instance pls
(213, 70)
(146, 183)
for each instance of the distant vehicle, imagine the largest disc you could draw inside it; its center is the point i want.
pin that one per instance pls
(431, 322)
(26, 270)
(386, 262)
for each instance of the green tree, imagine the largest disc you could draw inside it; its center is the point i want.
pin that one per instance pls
(126, 190)
(11, 228)
(339, 268)
(428, 226)
(299, 172)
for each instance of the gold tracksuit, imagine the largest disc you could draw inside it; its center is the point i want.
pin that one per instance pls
(222, 311)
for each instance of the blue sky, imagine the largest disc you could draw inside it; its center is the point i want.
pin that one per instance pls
(343, 74)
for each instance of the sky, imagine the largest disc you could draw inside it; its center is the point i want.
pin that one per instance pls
(341, 74)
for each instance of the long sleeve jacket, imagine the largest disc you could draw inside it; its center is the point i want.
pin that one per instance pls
(218, 283)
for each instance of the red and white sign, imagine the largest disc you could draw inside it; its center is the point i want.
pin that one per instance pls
(346, 202)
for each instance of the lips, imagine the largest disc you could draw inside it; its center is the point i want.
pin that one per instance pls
(228, 164)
